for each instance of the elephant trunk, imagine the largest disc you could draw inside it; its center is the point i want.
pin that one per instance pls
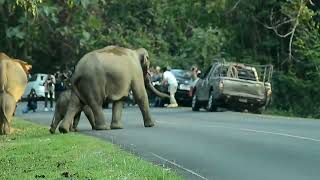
(156, 92)
(152, 88)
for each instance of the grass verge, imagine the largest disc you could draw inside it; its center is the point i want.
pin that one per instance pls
(32, 153)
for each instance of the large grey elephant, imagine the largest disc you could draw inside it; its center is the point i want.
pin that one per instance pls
(110, 73)
(61, 109)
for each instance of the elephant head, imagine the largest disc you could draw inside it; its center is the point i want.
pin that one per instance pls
(145, 63)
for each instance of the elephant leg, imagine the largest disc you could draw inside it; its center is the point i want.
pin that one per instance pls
(73, 108)
(116, 115)
(57, 118)
(141, 98)
(74, 127)
(100, 123)
(7, 107)
(89, 114)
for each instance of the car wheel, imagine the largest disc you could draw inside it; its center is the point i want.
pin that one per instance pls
(211, 106)
(195, 103)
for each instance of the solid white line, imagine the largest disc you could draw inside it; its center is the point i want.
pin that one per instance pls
(257, 131)
(179, 166)
(282, 134)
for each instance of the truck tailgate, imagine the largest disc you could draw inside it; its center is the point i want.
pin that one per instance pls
(243, 88)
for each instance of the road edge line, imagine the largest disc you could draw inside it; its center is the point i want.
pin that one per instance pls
(179, 166)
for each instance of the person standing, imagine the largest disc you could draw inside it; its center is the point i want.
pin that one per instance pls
(49, 91)
(195, 72)
(168, 78)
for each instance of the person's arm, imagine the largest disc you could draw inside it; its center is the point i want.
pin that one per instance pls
(53, 79)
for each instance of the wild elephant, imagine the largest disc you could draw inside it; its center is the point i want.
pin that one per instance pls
(13, 81)
(110, 73)
(61, 109)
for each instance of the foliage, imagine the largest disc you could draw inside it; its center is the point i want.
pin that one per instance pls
(32, 153)
(178, 33)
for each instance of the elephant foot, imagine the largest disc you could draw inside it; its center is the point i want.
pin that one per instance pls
(72, 129)
(52, 131)
(63, 129)
(116, 126)
(149, 123)
(102, 127)
(5, 130)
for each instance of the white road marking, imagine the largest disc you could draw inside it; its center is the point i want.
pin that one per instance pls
(282, 134)
(179, 166)
(256, 131)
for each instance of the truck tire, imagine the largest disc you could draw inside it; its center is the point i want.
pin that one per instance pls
(195, 103)
(258, 110)
(211, 106)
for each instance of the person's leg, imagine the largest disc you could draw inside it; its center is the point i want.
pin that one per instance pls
(46, 101)
(172, 91)
(51, 99)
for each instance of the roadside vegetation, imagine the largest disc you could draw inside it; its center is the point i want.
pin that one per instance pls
(179, 33)
(32, 153)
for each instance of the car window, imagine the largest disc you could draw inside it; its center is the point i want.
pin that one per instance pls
(206, 72)
(42, 78)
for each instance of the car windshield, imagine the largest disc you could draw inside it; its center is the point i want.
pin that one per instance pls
(33, 78)
(181, 74)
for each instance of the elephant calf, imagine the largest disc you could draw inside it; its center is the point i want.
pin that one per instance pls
(61, 109)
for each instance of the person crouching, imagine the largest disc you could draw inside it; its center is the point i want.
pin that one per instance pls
(32, 101)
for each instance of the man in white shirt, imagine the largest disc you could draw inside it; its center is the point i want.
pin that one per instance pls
(169, 78)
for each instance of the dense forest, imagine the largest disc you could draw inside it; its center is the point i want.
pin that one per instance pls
(285, 33)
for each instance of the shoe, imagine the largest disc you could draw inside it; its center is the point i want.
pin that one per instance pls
(172, 105)
(46, 109)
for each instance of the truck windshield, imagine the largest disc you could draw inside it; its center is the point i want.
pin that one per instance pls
(246, 74)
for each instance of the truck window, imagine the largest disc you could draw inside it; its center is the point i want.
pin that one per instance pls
(246, 74)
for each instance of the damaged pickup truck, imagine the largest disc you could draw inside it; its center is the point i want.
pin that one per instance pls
(234, 86)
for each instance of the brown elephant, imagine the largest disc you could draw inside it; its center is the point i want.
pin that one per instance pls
(61, 109)
(13, 81)
(110, 73)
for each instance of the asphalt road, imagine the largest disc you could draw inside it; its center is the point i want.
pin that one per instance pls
(218, 146)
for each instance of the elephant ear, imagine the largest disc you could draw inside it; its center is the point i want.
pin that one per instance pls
(144, 59)
(143, 56)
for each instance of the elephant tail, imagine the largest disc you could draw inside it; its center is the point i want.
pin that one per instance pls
(3, 117)
(75, 88)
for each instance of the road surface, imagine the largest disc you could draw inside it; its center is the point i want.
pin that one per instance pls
(218, 146)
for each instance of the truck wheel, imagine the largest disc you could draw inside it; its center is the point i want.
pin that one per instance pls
(211, 106)
(258, 110)
(195, 103)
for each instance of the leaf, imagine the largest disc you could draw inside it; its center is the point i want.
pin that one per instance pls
(86, 35)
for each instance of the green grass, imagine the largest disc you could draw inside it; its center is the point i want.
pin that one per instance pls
(275, 112)
(32, 153)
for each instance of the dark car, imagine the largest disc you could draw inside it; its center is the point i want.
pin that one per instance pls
(183, 91)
